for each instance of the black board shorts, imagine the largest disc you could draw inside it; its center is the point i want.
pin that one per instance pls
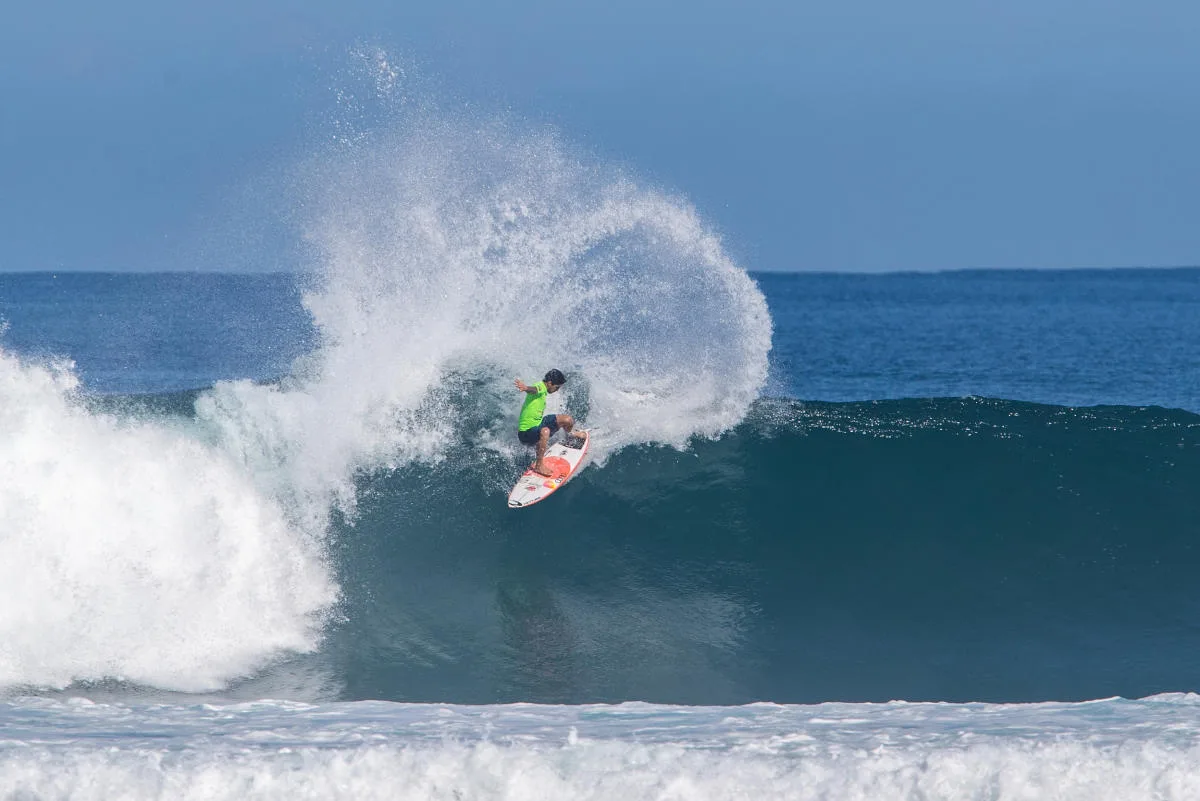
(530, 436)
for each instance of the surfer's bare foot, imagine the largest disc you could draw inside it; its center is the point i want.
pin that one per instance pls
(540, 469)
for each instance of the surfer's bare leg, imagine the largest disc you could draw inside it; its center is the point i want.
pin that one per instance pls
(567, 423)
(539, 466)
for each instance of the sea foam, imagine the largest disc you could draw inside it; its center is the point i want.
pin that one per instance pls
(1115, 749)
(133, 550)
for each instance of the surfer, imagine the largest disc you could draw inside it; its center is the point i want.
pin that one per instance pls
(535, 427)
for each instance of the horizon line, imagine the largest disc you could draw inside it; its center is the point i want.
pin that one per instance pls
(824, 272)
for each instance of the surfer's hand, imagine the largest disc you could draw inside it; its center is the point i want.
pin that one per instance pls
(521, 385)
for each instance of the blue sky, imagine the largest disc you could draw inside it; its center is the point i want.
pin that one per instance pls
(860, 135)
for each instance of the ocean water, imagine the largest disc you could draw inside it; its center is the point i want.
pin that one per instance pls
(846, 537)
(841, 537)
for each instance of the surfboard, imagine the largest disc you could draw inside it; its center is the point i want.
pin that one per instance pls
(562, 460)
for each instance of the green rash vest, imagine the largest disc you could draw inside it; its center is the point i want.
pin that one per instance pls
(533, 408)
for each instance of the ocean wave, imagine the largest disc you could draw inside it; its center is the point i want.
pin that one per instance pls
(923, 549)
(788, 559)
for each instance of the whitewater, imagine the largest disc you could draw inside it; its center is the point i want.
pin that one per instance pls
(253, 541)
(1103, 750)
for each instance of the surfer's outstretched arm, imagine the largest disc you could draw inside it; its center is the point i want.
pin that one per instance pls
(521, 385)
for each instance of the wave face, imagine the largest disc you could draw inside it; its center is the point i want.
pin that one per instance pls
(941, 549)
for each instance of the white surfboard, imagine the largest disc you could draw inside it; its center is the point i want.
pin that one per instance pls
(562, 460)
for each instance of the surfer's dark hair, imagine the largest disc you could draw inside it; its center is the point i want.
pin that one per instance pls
(555, 377)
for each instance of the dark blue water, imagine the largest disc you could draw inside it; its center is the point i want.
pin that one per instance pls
(145, 333)
(966, 486)
(1080, 337)
(1076, 338)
